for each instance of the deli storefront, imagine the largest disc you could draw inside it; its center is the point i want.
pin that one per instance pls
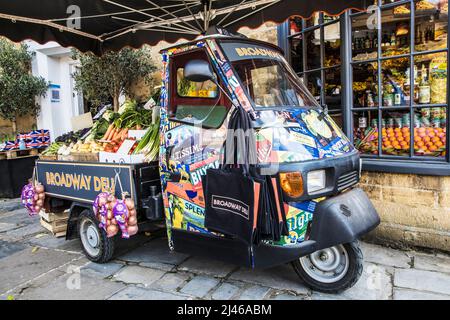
(383, 75)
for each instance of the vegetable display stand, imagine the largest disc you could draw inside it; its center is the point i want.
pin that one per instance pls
(56, 223)
(15, 173)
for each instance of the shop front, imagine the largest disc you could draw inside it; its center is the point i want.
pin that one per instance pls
(383, 76)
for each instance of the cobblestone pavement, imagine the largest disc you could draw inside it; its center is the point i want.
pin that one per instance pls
(35, 265)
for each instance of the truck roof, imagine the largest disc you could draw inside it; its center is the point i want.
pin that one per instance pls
(223, 37)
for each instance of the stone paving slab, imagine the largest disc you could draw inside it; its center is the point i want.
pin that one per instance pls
(47, 240)
(201, 265)
(282, 278)
(423, 280)
(138, 275)
(254, 292)
(225, 291)
(439, 263)
(199, 286)
(8, 248)
(7, 205)
(406, 294)
(171, 282)
(155, 251)
(137, 293)
(24, 231)
(101, 270)
(385, 256)
(7, 226)
(375, 284)
(66, 288)
(26, 265)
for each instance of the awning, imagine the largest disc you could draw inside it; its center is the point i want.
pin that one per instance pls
(101, 25)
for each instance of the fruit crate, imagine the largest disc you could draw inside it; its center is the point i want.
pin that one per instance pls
(56, 223)
(14, 154)
(80, 156)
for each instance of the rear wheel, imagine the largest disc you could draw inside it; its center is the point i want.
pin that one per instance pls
(331, 270)
(96, 245)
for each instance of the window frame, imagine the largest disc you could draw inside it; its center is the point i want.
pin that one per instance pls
(322, 69)
(413, 164)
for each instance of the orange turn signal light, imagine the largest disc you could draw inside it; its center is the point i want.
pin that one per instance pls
(292, 184)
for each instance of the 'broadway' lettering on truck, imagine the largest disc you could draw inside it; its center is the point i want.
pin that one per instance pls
(80, 182)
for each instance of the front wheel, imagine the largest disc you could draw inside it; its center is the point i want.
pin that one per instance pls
(96, 245)
(331, 270)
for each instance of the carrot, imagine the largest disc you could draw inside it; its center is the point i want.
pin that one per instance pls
(111, 134)
(107, 133)
(124, 134)
(117, 134)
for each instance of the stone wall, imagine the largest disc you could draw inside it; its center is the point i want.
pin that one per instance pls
(414, 210)
(24, 124)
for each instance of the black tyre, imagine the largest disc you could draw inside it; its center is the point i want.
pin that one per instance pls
(331, 270)
(96, 245)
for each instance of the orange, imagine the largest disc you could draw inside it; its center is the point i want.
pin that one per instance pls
(438, 144)
(426, 139)
(420, 144)
(417, 139)
(435, 139)
(400, 139)
(432, 148)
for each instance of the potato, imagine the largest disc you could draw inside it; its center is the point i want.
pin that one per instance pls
(41, 196)
(40, 203)
(112, 231)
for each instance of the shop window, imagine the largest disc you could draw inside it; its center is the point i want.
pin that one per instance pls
(406, 118)
(365, 85)
(315, 46)
(395, 30)
(366, 131)
(390, 78)
(364, 39)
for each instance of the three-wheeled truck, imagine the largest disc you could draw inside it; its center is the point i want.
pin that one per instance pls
(297, 142)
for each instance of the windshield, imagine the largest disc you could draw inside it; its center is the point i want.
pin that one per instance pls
(267, 78)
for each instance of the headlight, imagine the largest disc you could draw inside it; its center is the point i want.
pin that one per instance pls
(292, 184)
(316, 180)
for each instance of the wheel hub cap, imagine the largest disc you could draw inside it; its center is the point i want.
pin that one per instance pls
(92, 236)
(327, 265)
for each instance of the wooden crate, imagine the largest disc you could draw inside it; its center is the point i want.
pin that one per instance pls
(14, 154)
(78, 156)
(55, 223)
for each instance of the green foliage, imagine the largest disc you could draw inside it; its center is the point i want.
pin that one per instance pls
(18, 87)
(113, 74)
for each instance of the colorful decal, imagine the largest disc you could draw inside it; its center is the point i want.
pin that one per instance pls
(282, 136)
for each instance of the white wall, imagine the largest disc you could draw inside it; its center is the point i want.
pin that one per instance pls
(53, 63)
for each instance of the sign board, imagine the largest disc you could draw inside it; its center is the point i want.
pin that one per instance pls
(55, 93)
(82, 122)
(84, 181)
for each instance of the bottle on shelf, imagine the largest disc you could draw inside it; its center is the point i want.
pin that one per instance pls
(407, 87)
(424, 87)
(393, 41)
(367, 42)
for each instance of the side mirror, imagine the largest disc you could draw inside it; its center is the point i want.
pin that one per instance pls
(198, 71)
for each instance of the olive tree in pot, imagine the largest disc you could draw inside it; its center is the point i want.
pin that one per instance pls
(19, 89)
(112, 75)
